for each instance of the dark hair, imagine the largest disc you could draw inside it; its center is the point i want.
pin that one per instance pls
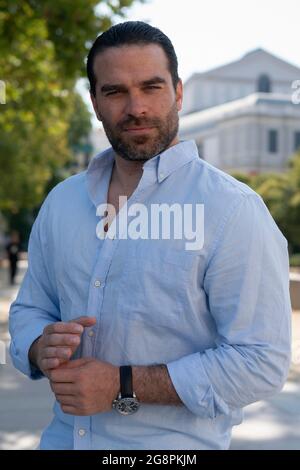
(131, 32)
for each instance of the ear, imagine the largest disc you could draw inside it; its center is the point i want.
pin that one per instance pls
(95, 106)
(179, 95)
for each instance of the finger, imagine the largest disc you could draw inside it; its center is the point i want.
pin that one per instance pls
(67, 373)
(63, 388)
(67, 400)
(76, 363)
(61, 327)
(57, 352)
(62, 340)
(70, 410)
(48, 364)
(63, 375)
(85, 321)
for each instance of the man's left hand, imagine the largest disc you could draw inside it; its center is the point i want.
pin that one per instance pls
(86, 386)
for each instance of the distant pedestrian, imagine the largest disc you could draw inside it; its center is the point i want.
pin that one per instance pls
(13, 249)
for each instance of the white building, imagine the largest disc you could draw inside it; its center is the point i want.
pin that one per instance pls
(242, 115)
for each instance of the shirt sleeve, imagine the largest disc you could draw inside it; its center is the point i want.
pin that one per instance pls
(247, 287)
(36, 305)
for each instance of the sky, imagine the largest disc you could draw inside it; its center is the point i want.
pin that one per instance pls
(211, 33)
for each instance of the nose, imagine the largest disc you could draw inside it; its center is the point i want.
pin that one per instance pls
(136, 105)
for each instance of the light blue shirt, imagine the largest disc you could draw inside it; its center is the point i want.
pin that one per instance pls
(218, 316)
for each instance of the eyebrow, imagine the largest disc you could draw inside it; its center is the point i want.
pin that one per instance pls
(119, 86)
(153, 81)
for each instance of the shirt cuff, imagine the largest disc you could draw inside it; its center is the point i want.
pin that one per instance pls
(194, 388)
(19, 349)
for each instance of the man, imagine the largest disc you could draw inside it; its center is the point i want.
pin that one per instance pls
(148, 344)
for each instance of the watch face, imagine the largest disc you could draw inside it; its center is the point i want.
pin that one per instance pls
(126, 406)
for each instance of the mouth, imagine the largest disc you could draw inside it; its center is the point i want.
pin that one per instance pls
(138, 130)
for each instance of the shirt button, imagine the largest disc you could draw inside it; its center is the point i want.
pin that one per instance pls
(81, 432)
(91, 333)
(161, 175)
(97, 283)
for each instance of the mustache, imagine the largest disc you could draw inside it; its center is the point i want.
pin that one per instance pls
(138, 122)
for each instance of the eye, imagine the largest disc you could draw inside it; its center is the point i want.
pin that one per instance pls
(112, 93)
(153, 87)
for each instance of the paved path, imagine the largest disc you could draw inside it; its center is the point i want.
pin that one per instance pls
(25, 406)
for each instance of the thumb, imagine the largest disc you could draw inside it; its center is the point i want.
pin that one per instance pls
(72, 364)
(85, 321)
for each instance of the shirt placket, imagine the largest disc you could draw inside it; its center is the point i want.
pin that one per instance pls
(82, 424)
(82, 433)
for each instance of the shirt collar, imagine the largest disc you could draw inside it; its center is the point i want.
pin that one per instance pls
(100, 161)
(97, 176)
(163, 164)
(166, 162)
(175, 157)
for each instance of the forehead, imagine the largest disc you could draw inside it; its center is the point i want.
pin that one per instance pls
(130, 63)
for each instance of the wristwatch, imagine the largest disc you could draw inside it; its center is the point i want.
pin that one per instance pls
(126, 402)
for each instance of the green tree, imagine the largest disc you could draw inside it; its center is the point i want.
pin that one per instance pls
(79, 123)
(281, 193)
(43, 44)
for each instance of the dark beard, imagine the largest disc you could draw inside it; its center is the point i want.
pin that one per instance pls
(143, 148)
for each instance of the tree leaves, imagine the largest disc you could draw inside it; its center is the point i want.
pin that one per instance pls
(43, 45)
(281, 193)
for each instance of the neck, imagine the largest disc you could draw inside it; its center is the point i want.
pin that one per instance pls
(127, 174)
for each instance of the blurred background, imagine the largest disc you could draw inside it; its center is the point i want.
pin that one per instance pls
(241, 70)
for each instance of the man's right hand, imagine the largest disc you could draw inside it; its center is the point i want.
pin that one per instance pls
(58, 343)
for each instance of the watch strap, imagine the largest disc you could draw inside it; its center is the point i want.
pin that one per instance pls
(126, 382)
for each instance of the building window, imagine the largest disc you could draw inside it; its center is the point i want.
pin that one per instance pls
(264, 84)
(273, 141)
(297, 141)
